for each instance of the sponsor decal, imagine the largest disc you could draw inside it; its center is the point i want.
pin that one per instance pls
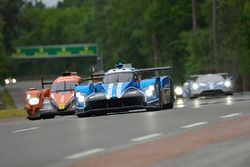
(119, 89)
(61, 106)
(110, 90)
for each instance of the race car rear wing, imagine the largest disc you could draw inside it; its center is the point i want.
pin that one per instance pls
(66, 73)
(156, 69)
(45, 83)
(197, 75)
(94, 78)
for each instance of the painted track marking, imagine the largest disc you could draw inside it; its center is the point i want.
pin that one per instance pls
(24, 130)
(85, 153)
(230, 115)
(146, 137)
(194, 124)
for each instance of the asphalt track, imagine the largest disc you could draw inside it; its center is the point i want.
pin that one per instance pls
(201, 132)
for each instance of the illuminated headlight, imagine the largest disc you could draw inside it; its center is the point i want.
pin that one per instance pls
(14, 80)
(28, 96)
(80, 97)
(7, 81)
(178, 90)
(195, 86)
(33, 101)
(227, 84)
(150, 90)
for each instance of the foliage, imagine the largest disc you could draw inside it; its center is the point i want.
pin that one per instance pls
(146, 33)
(10, 109)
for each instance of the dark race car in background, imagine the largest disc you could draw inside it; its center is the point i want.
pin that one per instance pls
(10, 81)
(123, 89)
(59, 100)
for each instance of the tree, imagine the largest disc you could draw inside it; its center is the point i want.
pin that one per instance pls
(194, 15)
(215, 52)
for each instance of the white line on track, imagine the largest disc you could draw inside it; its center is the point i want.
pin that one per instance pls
(230, 115)
(146, 137)
(194, 124)
(85, 153)
(24, 130)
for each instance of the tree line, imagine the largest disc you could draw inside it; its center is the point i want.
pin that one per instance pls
(194, 36)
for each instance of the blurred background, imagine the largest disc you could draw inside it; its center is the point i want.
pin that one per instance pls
(193, 36)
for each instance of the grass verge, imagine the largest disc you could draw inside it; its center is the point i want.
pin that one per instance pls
(10, 110)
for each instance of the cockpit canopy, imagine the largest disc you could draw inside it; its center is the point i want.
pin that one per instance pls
(63, 86)
(210, 78)
(119, 77)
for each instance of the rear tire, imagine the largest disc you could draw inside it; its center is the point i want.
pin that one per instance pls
(171, 104)
(229, 93)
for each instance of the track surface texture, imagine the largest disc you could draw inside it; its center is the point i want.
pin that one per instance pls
(202, 132)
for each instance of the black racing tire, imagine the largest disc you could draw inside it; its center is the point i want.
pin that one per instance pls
(36, 117)
(100, 113)
(169, 106)
(193, 97)
(229, 93)
(82, 115)
(48, 116)
(153, 109)
(158, 86)
(33, 118)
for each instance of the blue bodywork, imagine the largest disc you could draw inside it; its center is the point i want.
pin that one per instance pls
(132, 94)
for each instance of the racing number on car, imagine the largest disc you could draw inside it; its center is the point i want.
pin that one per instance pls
(61, 106)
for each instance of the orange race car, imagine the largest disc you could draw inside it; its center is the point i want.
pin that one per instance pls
(59, 100)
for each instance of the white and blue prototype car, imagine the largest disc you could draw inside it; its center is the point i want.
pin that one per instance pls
(122, 89)
(209, 84)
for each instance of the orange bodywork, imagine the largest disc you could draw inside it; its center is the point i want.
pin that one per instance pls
(61, 98)
(34, 93)
(75, 78)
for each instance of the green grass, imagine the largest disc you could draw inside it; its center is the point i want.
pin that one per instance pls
(10, 110)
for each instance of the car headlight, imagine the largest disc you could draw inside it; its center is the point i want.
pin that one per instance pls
(227, 83)
(6, 81)
(33, 101)
(178, 90)
(80, 97)
(150, 90)
(195, 86)
(13, 80)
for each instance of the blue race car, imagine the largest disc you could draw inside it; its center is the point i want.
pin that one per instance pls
(123, 89)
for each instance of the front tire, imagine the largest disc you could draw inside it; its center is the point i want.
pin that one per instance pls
(82, 115)
(37, 116)
(48, 116)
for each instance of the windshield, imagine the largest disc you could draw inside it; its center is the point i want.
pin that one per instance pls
(118, 77)
(63, 86)
(210, 78)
